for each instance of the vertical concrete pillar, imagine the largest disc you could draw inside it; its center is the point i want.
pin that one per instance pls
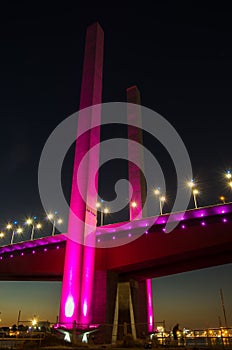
(115, 324)
(135, 176)
(77, 286)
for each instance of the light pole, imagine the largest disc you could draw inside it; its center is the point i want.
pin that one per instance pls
(162, 199)
(230, 184)
(37, 226)
(228, 175)
(52, 217)
(103, 211)
(11, 227)
(195, 192)
(18, 230)
(222, 198)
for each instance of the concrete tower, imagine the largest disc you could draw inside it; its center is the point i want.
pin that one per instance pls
(78, 277)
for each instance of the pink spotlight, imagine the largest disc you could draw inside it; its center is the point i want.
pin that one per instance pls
(69, 307)
(129, 234)
(113, 237)
(0, 257)
(224, 220)
(45, 249)
(22, 254)
(183, 226)
(11, 256)
(85, 308)
(163, 229)
(33, 252)
(203, 223)
(57, 247)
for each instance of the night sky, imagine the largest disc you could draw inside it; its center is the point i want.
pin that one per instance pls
(180, 57)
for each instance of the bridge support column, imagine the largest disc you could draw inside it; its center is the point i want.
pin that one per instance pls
(135, 154)
(78, 277)
(136, 177)
(130, 310)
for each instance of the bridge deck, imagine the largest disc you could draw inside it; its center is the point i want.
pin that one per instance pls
(202, 238)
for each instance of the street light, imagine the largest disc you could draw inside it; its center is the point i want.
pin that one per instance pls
(102, 210)
(195, 192)
(37, 226)
(228, 174)
(2, 234)
(222, 198)
(52, 217)
(162, 199)
(18, 230)
(34, 322)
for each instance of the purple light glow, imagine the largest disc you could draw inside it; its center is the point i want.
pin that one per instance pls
(87, 287)
(22, 254)
(0, 257)
(224, 220)
(113, 237)
(85, 308)
(71, 284)
(163, 229)
(57, 247)
(129, 234)
(78, 274)
(33, 252)
(150, 315)
(203, 223)
(146, 232)
(183, 226)
(11, 256)
(45, 249)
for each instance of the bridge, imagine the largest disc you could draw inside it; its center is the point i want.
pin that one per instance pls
(113, 285)
(203, 238)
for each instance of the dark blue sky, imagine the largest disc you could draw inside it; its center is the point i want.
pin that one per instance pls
(180, 57)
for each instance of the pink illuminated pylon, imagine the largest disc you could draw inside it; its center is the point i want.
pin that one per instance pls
(77, 286)
(136, 178)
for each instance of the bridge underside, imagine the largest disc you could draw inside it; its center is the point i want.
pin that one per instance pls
(151, 255)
